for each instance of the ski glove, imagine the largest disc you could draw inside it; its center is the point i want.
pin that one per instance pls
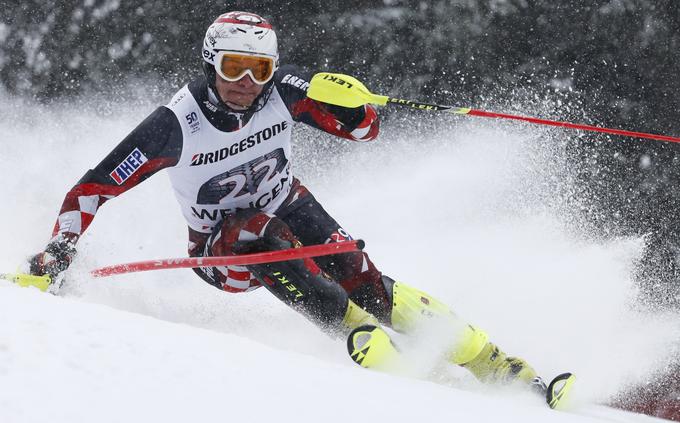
(349, 117)
(56, 258)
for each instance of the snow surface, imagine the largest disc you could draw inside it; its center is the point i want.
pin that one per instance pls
(477, 214)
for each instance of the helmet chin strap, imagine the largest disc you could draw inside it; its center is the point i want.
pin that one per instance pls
(216, 100)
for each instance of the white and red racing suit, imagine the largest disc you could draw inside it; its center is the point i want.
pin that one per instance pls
(221, 163)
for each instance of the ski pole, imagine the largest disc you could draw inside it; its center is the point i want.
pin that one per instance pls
(243, 259)
(346, 91)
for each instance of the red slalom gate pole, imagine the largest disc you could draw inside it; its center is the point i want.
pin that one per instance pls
(241, 260)
(482, 113)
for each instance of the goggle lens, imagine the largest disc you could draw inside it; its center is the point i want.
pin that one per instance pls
(233, 67)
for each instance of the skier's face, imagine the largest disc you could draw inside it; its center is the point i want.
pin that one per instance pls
(238, 95)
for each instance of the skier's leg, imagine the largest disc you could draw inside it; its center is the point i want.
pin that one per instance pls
(298, 283)
(398, 305)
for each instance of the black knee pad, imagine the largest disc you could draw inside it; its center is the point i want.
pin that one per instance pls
(319, 298)
(388, 283)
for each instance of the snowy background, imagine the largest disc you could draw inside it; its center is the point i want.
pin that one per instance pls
(564, 246)
(478, 215)
(612, 63)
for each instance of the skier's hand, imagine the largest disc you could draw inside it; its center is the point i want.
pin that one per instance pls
(56, 258)
(349, 117)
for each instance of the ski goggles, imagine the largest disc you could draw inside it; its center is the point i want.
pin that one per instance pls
(234, 66)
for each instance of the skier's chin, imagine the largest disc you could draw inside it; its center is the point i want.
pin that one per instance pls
(237, 106)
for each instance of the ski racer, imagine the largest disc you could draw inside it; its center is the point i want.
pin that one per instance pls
(225, 141)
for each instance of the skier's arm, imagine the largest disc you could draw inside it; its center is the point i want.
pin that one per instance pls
(357, 124)
(153, 145)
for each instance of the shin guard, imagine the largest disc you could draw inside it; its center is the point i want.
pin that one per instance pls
(414, 310)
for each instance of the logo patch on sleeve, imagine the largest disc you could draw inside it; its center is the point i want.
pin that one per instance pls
(128, 167)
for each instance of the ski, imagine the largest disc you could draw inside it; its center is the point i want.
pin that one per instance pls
(25, 280)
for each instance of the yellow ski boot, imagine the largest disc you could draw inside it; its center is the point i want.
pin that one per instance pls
(356, 316)
(492, 365)
(413, 309)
